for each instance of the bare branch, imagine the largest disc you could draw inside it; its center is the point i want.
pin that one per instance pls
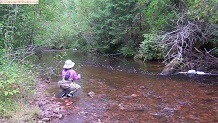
(183, 43)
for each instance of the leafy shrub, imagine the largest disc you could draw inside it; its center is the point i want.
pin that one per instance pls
(129, 49)
(149, 50)
(16, 84)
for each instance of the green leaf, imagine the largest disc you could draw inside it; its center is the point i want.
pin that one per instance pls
(6, 93)
(15, 91)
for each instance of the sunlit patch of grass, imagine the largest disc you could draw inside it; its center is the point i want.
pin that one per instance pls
(25, 113)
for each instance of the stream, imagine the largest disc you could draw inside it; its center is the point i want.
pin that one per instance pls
(128, 91)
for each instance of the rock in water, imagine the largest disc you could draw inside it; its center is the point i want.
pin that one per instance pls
(91, 93)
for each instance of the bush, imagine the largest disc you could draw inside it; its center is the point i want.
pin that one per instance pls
(149, 50)
(128, 49)
(17, 83)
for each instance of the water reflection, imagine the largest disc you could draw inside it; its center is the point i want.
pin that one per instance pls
(129, 91)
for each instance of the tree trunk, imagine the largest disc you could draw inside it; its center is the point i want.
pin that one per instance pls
(170, 68)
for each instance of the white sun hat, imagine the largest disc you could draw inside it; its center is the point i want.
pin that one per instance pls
(68, 64)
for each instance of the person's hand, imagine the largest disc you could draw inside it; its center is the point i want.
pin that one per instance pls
(79, 75)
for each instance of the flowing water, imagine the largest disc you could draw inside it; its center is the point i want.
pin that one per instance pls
(128, 91)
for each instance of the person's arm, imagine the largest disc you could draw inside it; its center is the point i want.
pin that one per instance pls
(74, 76)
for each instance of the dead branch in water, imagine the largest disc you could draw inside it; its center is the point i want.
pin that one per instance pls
(201, 60)
(184, 42)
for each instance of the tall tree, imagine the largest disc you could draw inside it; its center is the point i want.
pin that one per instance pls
(113, 24)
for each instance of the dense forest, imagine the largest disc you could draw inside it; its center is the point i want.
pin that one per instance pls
(150, 30)
(181, 33)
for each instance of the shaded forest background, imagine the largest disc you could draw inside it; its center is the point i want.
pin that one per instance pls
(183, 32)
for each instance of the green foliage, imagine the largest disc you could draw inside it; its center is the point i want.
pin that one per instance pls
(2, 53)
(129, 49)
(55, 28)
(6, 105)
(149, 48)
(161, 15)
(16, 25)
(205, 11)
(11, 78)
(16, 82)
(109, 26)
(113, 24)
(47, 24)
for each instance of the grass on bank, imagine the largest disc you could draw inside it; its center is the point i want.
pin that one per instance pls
(17, 85)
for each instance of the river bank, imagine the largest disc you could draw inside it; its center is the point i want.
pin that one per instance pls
(51, 110)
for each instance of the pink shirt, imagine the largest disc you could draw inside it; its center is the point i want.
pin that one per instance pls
(73, 74)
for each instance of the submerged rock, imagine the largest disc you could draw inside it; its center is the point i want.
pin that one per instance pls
(91, 93)
(60, 116)
(142, 87)
(46, 119)
(56, 111)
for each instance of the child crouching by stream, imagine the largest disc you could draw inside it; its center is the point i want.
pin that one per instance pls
(68, 76)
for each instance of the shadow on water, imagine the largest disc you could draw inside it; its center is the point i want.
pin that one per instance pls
(133, 91)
